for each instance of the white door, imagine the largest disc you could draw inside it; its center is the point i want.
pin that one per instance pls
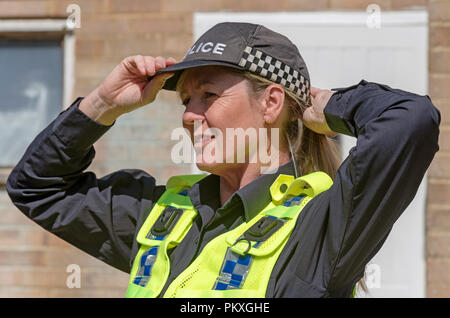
(340, 49)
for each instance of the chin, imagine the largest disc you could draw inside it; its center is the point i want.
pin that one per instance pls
(216, 168)
(211, 167)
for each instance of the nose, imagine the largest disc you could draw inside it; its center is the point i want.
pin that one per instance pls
(194, 111)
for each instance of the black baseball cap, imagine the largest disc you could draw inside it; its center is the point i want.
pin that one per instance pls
(249, 47)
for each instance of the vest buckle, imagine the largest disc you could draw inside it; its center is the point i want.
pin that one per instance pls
(263, 228)
(166, 221)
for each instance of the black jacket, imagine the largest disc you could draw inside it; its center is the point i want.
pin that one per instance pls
(336, 235)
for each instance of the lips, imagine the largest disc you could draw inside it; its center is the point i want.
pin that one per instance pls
(202, 141)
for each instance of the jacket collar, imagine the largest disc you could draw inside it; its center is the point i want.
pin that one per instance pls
(254, 196)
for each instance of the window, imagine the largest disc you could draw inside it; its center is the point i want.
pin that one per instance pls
(33, 85)
(31, 90)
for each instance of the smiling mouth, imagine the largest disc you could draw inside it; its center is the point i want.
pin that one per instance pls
(203, 140)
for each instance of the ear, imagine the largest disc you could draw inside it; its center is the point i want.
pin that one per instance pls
(273, 101)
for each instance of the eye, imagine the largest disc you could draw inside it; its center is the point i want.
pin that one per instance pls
(209, 94)
(185, 101)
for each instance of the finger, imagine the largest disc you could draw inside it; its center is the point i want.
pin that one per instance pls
(150, 65)
(307, 115)
(314, 91)
(170, 61)
(140, 64)
(160, 63)
(130, 64)
(154, 86)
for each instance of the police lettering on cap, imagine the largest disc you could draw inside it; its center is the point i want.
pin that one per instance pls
(250, 47)
(214, 48)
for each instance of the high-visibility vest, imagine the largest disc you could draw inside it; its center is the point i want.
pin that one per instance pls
(237, 263)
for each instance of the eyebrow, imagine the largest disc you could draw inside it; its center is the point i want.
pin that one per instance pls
(199, 84)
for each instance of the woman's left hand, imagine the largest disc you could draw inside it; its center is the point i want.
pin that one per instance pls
(313, 116)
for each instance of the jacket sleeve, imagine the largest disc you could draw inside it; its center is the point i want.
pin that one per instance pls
(51, 187)
(397, 138)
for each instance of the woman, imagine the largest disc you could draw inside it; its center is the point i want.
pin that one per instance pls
(237, 232)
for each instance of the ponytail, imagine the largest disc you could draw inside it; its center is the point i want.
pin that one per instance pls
(314, 152)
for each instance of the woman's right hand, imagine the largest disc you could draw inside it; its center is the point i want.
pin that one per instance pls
(126, 88)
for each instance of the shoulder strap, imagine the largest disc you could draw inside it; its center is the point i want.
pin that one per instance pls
(289, 197)
(184, 181)
(165, 227)
(312, 184)
(176, 205)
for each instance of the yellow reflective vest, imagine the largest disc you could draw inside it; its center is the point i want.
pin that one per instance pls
(237, 263)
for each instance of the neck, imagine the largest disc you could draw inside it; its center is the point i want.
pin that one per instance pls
(236, 177)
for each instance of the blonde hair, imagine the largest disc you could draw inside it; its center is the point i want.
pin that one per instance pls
(312, 151)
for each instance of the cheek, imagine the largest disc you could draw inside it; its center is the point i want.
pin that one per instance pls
(235, 112)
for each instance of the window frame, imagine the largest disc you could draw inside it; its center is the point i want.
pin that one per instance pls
(45, 28)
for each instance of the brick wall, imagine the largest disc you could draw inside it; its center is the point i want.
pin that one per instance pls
(33, 263)
(438, 201)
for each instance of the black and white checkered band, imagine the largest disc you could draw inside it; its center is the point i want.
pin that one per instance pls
(276, 71)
